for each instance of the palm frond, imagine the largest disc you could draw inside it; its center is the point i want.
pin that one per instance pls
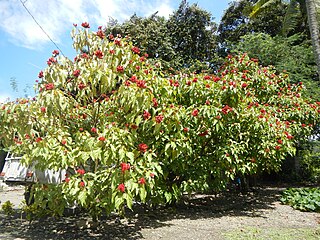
(260, 5)
(291, 18)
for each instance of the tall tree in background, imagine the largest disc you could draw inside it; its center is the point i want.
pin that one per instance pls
(192, 34)
(149, 33)
(187, 38)
(292, 55)
(236, 23)
(294, 18)
(269, 37)
(307, 10)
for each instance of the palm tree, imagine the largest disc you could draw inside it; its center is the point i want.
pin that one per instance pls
(314, 30)
(306, 8)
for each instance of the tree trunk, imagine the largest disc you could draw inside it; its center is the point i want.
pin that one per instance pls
(314, 30)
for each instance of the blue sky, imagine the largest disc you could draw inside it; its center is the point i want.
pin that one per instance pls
(25, 48)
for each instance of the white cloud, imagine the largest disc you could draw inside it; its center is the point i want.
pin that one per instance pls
(123, 9)
(4, 98)
(56, 16)
(163, 7)
(53, 16)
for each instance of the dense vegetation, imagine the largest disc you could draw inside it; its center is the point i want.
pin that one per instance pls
(153, 108)
(277, 35)
(304, 199)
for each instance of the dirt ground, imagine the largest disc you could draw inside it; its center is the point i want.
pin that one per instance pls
(254, 215)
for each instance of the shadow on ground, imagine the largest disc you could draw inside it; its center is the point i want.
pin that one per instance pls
(251, 204)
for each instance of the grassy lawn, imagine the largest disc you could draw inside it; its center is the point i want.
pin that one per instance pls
(274, 233)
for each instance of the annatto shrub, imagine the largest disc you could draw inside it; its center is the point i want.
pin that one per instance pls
(127, 132)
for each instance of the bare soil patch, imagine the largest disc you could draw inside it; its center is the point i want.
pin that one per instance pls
(254, 215)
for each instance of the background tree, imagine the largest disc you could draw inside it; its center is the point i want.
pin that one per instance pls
(314, 30)
(273, 24)
(192, 34)
(297, 9)
(186, 39)
(304, 9)
(295, 15)
(285, 54)
(149, 33)
(236, 23)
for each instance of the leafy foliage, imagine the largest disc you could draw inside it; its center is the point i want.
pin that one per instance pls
(304, 199)
(236, 23)
(7, 208)
(262, 4)
(305, 10)
(186, 39)
(295, 17)
(191, 33)
(310, 162)
(128, 132)
(291, 54)
(296, 14)
(149, 33)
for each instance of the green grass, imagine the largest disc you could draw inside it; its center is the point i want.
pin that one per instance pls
(274, 234)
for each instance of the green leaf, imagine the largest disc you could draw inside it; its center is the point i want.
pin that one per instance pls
(128, 198)
(142, 194)
(168, 197)
(130, 155)
(82, 197)
(121, 154)
(118, 202)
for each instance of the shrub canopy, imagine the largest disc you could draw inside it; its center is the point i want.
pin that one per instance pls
(125, 131)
